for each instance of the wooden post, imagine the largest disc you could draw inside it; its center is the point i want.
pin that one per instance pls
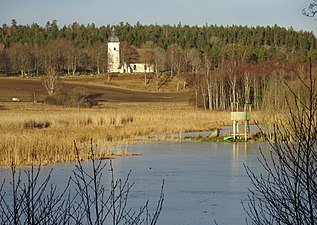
(234, 129)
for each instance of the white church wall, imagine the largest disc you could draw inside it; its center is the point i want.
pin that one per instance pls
(141, 68)
(137, 68)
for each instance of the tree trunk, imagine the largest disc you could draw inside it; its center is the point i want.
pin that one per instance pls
(209, 98)
(98, 63)
(109, 77)
(74, 69)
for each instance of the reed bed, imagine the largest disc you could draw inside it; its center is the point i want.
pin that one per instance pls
(41, 134)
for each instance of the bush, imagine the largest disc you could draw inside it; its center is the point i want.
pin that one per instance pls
(77, 97)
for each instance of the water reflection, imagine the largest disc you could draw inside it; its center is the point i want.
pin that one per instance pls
(239, 148)
(239, 153)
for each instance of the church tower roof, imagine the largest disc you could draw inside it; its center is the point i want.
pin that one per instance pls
(113, 37)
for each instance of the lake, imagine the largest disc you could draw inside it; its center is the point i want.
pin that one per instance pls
(203, 181)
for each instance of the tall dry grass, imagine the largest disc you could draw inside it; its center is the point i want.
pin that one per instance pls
(41, 134)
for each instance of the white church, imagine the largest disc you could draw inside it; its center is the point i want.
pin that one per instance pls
(114, 63)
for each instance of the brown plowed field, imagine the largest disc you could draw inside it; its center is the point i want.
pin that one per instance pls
(23, 88)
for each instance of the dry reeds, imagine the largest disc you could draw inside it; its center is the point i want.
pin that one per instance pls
(41, 134)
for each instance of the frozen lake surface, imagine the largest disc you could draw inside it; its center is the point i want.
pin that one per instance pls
(203, 181)
(226, 130)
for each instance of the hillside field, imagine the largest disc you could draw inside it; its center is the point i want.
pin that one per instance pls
(123, 88)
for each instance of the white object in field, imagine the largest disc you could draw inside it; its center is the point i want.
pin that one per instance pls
(15, 99)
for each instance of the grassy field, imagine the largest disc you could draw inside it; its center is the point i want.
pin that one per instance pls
(42, 134)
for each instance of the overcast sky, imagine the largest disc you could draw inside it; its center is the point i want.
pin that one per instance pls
(286, 13)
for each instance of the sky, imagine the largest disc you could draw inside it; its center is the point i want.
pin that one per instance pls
(285, 13)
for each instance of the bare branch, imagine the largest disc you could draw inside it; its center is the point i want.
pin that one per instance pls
(311, 10)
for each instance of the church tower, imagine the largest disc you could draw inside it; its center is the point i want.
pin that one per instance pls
(113, 53)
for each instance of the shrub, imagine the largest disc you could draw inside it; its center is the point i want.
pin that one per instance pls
(77, 97)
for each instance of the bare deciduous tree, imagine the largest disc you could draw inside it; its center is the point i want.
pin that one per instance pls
(51, 81)
(20, 57)
(128, 54)
(194, 60)
(286, 194)
(97, 53)
(208, 68)
(159, 62)
(176, 59)
(148, 58)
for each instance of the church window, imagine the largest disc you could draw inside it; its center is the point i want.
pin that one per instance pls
(134, 67)
(114, 49)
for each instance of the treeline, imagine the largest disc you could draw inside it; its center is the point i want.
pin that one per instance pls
(266, 86)
(78, 48)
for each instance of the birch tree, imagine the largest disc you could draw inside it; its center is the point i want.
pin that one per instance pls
(208, 67)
